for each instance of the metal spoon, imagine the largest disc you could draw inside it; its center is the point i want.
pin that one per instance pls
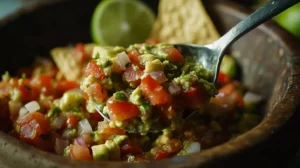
(211, 55)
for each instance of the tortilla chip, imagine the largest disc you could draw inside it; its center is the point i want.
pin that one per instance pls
(65, 60)
(184, 21)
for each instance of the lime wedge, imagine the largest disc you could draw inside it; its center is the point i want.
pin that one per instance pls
(121, 22)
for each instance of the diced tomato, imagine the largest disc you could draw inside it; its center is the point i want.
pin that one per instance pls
(96, 116)
(32, 127)
(154, 91)
(28, 93)
(223, 78)
(161, 155)
(64, 85)
(83, 56)
(134, 56)
(78, 152)
(43, 83)
(132, 75)
(152, 41)
(174, 54)
(195, 97)
(72, 121)
(128, 147)
(93, 69)
(229, 97)
(86, 96)
(121, 110)
(104, 129)
(97, 92)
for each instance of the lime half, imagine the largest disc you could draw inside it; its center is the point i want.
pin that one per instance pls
(121, 22)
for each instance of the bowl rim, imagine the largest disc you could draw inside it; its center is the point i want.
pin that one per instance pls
(259, 133)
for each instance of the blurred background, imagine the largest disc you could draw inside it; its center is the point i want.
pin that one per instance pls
(289, 20)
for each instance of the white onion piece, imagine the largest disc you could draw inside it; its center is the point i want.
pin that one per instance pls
(159, 76)
(174, 89)
(85, 126)
(123, 60)
(252, 98)
(58, 122)
(80, 141)
(32, 106)
(22, 112)
(60, 145)
(193, 147)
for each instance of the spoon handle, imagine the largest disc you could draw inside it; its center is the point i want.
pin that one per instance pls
(266, 12)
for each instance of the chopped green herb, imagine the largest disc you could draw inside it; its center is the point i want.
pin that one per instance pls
(106, 64)
(120, 96)
(145, 107)
(75, 109)
(97, 56)
(23, 75)
(54, 112)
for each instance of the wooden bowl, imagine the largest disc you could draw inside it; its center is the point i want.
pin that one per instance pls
(268, 55)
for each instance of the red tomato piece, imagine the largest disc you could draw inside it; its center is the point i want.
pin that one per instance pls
(43, 83)
(28, 93)
(161, 155)
(229, 97)
(97, 92)
(223, 78)
(93, 69)
(96, 116)
(121, 110)
(195, 97)
(129, 147)
(72, 121)
(154, 91)
(174, 54)
(83, 56)
(134, 56)
(132, 75)
(64, 85)
(32, 126)
(78, 152)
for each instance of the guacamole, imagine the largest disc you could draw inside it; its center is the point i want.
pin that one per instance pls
(146, 91)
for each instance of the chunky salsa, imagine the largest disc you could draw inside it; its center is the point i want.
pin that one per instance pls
(146, 91)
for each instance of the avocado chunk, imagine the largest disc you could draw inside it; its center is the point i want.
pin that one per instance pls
(228, 66)
(100, 152)
(155, 65)
(71, 100)
(114, 150)
(136, 96)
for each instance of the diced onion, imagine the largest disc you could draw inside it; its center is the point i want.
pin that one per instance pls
(252, 98)
(159, 76)
(32, 106)
(193, 147)
(22, 112)
(80, 141)
(123, 60)
(84, 126)
(58, 122)
(174, 89)
(60, 145)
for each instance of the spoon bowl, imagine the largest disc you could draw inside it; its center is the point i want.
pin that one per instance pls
(210, 56)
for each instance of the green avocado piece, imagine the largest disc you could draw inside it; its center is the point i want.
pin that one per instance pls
(100, 152)
(228, 66)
